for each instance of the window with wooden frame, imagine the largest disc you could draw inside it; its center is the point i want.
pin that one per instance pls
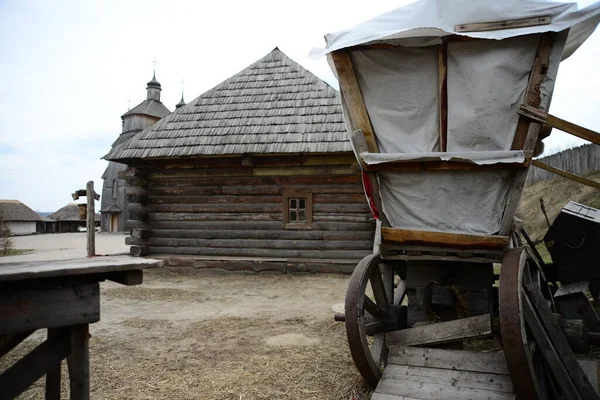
(297, 210)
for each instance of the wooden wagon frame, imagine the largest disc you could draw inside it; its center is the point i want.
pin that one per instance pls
(535, 354)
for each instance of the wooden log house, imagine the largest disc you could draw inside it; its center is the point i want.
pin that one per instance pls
(257, 173)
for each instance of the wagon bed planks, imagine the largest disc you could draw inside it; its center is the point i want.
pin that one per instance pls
(425, 373)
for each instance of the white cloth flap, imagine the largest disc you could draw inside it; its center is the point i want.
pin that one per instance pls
(486, 83)
(459, 202)
(479, 157)
(435, 18)
(399, 88)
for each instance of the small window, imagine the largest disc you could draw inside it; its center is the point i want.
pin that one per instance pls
(114, 189)
(297, 210)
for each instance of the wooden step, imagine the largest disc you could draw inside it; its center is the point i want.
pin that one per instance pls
(479, 326)
(423, 373)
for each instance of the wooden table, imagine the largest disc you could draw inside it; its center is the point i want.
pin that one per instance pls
(64, 298)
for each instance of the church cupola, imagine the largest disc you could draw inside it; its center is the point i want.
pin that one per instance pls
(181, 102)
(153, 89)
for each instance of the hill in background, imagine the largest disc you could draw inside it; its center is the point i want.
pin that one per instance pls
(556, 193)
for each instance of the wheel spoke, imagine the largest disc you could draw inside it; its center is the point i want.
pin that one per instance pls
(377, 348)
(372, 308)
(378, 288)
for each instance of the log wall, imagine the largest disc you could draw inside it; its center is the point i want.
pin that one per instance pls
(577, 160)
(233, 207)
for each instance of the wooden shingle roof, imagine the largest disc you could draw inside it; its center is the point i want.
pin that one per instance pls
(14, 210)
(273, 106)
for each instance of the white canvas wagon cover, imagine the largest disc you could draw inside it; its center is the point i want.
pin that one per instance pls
(486, 82)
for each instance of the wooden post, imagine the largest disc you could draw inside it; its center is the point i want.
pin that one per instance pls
(53, 375)
(91, 219)
(79, 362)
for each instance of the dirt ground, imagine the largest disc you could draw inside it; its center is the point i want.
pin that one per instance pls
(190, 335)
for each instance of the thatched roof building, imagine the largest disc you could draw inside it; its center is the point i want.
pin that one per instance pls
(70, 212)
(254, 173)
(14, 210)
(274, 106)
(21, 219)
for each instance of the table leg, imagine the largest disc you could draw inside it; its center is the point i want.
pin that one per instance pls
(53, 375)
(79, 362)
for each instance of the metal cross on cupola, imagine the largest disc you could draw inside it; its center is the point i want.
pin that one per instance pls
(90, 215)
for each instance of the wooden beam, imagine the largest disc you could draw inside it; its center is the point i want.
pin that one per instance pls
(359, 117)
(542, 117)
(442, 166)
(9, 342)
(533, 95)
(568, 175)
(48, 308)
(537, 312)
(53, 375)
(90, 220)
(32, 367)
(507, 24)
(443, 95)
(79, 362)
(443, 332)
(444, 239)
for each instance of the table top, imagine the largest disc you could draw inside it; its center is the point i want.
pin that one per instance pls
(27, 270)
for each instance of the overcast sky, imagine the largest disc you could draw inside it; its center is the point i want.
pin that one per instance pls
(67, 69)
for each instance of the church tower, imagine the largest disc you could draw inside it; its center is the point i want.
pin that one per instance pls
(113, 207)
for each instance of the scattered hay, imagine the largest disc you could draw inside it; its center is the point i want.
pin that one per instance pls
(153, 294)
(218, 358)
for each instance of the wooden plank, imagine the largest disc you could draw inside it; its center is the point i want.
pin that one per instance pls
(22, 374)
(443, 332)
(359, 117)
(383, 396)
(506, 24)
(559, 342)
(542, 117)
(492, 362)
(423, 390)
(467, 379)
(553, 360)
(79, 363)
(442, 238)
(9, 342)
(29, 309)
(82, 266)
(533, 96)
(443, 95)
(442, 166)
(565, 174)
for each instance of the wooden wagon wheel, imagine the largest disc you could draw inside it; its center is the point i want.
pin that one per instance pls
(372, 313)
(521, 329)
